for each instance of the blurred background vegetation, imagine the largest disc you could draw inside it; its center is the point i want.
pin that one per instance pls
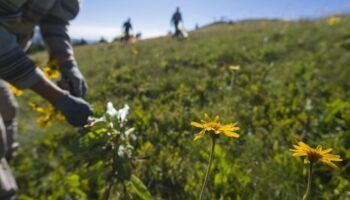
(293, 84)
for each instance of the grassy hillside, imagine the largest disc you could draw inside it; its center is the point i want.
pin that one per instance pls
(293, 84)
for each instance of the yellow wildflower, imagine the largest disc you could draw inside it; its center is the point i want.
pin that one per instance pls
(313, 155)
(215, 127)
(51, 73)
(54, 113)
(49, 114)
(234, 67)
(51, 69)
(333, 21)
(59, 116)
(44, 121)
(36, 107)
(14, 90)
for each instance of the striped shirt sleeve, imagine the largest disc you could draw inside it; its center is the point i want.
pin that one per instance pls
(15, 66)
(54, 26)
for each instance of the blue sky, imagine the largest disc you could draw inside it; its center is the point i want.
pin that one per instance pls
(99, 18)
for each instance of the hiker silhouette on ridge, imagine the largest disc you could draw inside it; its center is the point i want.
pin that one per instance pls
(178, 24)
(127, 26)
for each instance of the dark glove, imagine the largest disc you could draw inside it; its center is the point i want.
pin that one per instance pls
(72, 79)
(76, 110)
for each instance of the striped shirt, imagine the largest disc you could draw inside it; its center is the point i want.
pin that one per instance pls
(18, 19)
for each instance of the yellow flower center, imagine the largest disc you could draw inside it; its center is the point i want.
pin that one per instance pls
(213, 125)
(313, 155)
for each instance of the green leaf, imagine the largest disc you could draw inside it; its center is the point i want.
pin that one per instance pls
(139, 188)
(121, 164)
(73, 181)
(25, 197)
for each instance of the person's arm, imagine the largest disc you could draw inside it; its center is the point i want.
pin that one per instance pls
(54, 31)
(20, 71)
(15, 66)
(48, 91)
(17, 69)
(75, 110)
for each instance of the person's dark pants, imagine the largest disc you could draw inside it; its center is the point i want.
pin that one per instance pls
(8, 186)
(8, 110)
(177, 29)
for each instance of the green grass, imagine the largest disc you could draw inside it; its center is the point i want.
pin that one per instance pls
(293, 85)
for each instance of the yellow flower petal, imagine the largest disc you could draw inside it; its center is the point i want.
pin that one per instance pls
(14, 90)
(196, 124)
(332, 157)
(230, 128)
(36, 107)
(231, 134)
(44, 121)
(327, 150)
(216, 127)
(315, 154)
(303, 145)
(330, 164)
(299, 154)
(206, 117)
(197, 137)
(217, 118)
(319, 148)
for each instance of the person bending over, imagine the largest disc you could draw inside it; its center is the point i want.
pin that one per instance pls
(18, 18)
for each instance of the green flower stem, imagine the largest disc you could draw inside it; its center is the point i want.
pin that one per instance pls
(232, 79)
(108, 189)
(213, 138)
(306, 195)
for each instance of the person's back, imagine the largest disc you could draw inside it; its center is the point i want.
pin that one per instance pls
(127, 28)
(177, 17)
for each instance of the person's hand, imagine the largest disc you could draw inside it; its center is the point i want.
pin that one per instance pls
(76, 110)
(72, 79)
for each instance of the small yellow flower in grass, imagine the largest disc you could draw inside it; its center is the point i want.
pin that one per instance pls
(315, 154)
(51, 69)
(36, 107)
(14, 90)
(333, 21)
(215, 127)
(44, 121)
(51, 73)
(47, 115)
(59, 116)
(234, 67)
(54, 113)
